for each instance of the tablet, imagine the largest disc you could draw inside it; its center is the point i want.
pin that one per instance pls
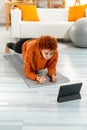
(69, 92)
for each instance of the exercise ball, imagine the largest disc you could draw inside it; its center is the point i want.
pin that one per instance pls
(78, 32)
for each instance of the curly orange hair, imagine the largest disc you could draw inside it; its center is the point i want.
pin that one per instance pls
(47, 42)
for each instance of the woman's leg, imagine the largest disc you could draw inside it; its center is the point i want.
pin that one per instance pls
(17, 47)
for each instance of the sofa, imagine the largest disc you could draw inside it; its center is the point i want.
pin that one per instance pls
(52, 21)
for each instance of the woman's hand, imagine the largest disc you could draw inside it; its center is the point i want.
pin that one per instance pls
(41, 79)
(54, 78)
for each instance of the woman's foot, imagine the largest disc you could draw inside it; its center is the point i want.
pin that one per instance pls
(7, 50)
(9, 46)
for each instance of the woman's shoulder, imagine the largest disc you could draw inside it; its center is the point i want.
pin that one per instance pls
(30, 44)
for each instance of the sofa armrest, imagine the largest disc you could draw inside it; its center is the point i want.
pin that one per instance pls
(15, 22)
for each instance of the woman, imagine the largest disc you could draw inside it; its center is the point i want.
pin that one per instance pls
(37, 54)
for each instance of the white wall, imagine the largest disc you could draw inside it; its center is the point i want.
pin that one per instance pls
(71, 2)
(3, 12)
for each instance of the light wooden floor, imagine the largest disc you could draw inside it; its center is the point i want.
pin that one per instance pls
(23, 108)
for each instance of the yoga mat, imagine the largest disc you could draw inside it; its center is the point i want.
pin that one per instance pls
(17, 62)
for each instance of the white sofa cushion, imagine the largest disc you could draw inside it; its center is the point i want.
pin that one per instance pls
(52, 14)
(36, 29)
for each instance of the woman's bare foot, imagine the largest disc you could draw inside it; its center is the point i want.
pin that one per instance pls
(7, 50)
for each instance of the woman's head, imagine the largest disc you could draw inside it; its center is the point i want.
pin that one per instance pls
(47, 45)
(47, 42)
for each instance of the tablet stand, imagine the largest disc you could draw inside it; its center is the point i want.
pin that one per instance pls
(69, 98)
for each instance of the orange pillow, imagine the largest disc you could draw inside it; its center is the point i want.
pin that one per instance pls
(29, 12)
(76, 12)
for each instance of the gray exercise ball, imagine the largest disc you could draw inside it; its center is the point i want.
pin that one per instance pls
(78, 32)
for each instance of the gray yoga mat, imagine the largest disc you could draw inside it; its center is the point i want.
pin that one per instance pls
(17, 62)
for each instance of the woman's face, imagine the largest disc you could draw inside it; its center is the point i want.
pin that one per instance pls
(47, 54)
